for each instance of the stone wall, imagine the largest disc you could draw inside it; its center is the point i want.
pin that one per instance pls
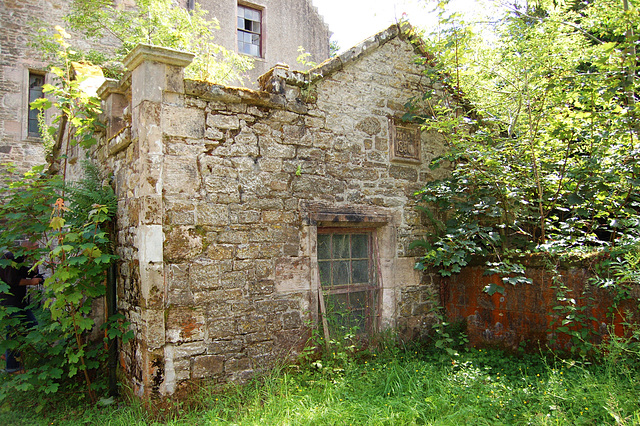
(222, 193)
(286, 25)
(20, 20)
(17, 58)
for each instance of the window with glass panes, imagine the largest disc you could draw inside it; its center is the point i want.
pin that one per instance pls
(346, 264)
(249, 31)
(36, 81)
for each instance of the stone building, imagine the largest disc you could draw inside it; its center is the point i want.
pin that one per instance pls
(270, 31)
(273, 30)
(244, 215)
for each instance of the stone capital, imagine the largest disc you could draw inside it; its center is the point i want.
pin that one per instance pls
(163, 55)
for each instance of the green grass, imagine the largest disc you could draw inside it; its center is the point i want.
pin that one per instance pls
(391, 387)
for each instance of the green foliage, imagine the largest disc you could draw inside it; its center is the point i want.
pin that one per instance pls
(74, 254)
(395, 387)
(68, 221)
(544, 158)
(334, 48)
(304, 58)
(161, 23)
(448, 338)
(66, 96)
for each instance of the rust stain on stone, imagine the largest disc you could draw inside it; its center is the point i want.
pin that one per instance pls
(188, 327)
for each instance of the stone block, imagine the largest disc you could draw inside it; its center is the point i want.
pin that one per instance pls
(233, 280)
(183, 242)
(220, 251)
(235, 365)
(225, 346)
(184, 122)
(181, 175)
(224, 122)
(291, 320)
(179, 212)
(213, 133)
(227, 190)
(211, 214)
(204, 275)
(403, 173)
(152, 328)
(152, 285)
(233, 236)
(292, 274)
(222, 328)
(207, 366)
(284, 117)
(261, 287)
(252, 324)
(270, 164)
(181, 368)
(276, 216)
(271, 147)
(184, 324)
(248, 251)
(370, 125)
(245, 216)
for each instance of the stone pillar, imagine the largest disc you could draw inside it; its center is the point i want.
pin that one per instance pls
(114, 103)
(157, 82)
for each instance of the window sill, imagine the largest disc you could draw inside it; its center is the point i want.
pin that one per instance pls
(255, 58)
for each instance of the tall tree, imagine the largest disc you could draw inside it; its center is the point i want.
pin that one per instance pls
(547, 159)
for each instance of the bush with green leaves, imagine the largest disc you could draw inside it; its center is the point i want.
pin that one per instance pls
(547, 158)
(69, 222)
(543, 153)
(73, 254)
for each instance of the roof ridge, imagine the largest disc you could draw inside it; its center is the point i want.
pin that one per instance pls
(402, 29)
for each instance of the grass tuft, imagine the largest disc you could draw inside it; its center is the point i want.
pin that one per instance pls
(388, 387)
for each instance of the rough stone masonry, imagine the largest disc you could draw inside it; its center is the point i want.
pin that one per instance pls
(223, 192)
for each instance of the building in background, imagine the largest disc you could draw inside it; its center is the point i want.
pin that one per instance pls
(268, 30)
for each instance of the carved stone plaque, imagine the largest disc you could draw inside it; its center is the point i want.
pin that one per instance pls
(405, 141)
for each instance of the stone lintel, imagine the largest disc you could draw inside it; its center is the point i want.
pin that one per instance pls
(163, 55)
(346, 216)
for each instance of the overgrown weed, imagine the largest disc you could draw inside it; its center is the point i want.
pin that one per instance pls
(403, 384)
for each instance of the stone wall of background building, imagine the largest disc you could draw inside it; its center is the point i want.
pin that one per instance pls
(287, 25)
(17, 58)
(222, 193)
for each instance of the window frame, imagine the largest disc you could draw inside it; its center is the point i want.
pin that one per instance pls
(259, 33)
(372, 288)
(32, 115)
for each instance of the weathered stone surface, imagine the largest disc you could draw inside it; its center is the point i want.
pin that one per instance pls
(207, 366)
(370, 126)
(219, 213)
(182, 242)
(184, 324)
(223, 122)
(185, 122)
